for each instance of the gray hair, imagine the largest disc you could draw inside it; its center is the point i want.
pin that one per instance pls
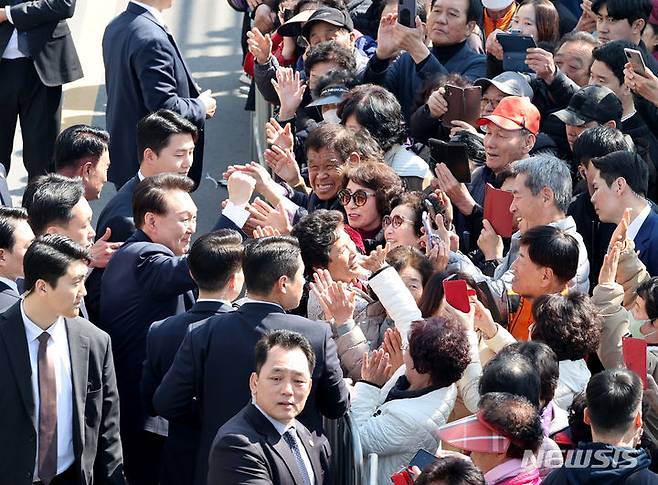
(547, 171)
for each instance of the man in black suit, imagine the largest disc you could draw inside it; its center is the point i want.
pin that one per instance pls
(148, 279)
(264, 442)
(214, 362)
(60, 407)
(37, 58)
(215, 262)
(15, 237)
(145, 72)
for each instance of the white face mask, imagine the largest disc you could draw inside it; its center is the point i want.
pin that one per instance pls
(331, 116)
(634, 327)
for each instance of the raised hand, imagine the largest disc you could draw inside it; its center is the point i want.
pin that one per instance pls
(620, 233)
(387, 44)
(337, 300)
(263, 215)
(240, 187)
(541, 61)
(103, 250)
(376, 259)
(265, 231)
(283, 163)
(483, 320)
(490, 243)
(608, 271)
(437, 103)
(281, 137)
(439, 255)
(259, 45)
(645, 85)
(458, 193)
(393, 347)
(493, 47)
(466, 319)
(376, 367)
(290, 89)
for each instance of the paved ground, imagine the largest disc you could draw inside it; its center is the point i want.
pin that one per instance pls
(208, 33)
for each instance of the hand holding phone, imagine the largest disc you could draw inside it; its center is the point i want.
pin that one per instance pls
(427, 224)
(634, 56)
(407, 13)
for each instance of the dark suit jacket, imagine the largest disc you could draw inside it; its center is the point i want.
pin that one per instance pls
(216, 359)
(144, 72)
(96, 443)
(8, 296)
(248, 449)
(48, 38)
(143, 282)
(646, 242)
(162, 342)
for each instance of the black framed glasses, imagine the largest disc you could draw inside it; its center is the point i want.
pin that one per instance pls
(359, 197)
(396, 220)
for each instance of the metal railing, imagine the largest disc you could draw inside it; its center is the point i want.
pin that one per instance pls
(261, 115)
(346, 455)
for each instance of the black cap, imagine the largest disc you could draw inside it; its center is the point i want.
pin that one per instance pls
(334, 94)
(591, 103)
(332, 16)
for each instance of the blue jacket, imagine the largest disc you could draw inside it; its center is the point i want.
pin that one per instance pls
(646, 242)
(408, 80)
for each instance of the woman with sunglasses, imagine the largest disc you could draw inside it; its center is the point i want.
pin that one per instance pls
(368, 189)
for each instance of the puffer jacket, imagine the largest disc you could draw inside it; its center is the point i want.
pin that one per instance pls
(396, 428)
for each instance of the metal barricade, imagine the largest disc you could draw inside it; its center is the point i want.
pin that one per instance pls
(370, 469)
(346, 454)
(261, 115)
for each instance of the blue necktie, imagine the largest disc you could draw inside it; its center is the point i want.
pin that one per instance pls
(292, 443)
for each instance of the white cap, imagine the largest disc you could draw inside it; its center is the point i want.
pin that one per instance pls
(497, 4)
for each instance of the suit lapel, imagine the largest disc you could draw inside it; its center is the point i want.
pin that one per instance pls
(312, 450)
(79, 350)
(13, 332)
(644, 234)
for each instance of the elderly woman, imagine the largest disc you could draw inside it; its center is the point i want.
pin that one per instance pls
(396, 417)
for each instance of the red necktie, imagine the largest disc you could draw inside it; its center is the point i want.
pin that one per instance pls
(47, 412)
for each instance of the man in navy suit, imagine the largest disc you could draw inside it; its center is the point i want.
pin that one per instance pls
(15, 237)
(214, 362)
(215, 262)
(166, 142)
(145, 72)
(148, 279)
(264, 442)
(620, 183)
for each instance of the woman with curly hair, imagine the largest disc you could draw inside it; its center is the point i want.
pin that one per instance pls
(571, 326)
(397, 416)
(378, 111)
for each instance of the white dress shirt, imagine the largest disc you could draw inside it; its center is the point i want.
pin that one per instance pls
(58, 350)
(283, 428)
(10, 283)
(153, 11)
(636, 224)
(11, 51)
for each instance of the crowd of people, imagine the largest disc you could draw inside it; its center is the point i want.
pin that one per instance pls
(506, 326)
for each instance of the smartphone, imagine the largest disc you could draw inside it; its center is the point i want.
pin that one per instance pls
(454, 155)
(456, 294)
(422, 459)
(427, 224)
(634, 56)
(515, 48)
(407, 13)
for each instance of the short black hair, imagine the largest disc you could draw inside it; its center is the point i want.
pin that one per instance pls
(627, 165)
(334, 137)
(545, 362)
(631, 10)
(513, 373)
(550, 247)
(317, 232)
(451, 470)
(286, 339)
(569, 324)
(612, 55)
(577, 36)
(474, 11)
(330, 51)
(408, 256)
(598, 141)
(578, 429)
(51, 199)
(9, 216)
(267, 259)
(378, 110)
(155, 130)
(214, 258)
(48, 258)
(648, 291)
(514, 417)
(613, 398)
(150, 194)
(76, 143)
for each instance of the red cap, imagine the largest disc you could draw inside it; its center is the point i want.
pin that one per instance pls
(472, 433)
(514, 113)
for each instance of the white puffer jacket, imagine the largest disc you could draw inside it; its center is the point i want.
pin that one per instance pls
(396, 429)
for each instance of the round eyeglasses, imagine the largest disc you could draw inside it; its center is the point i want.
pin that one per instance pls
(359, 197)
(396, 220)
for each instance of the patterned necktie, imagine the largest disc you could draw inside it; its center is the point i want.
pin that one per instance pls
(292, 443)
(47, 412)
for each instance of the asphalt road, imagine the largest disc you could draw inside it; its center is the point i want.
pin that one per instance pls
(208, 33)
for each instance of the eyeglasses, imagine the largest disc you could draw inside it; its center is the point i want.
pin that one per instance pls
(359, 197)
(396, 220)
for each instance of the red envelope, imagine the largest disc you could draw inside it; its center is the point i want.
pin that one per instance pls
(496, 210)
(635, 357)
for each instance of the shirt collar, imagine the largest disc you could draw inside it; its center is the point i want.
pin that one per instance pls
(636, 224)
(32, 330)
(140, 176)
(153, 11)
(246, 299)
(215, 300)
(11, 283)
(278, 425)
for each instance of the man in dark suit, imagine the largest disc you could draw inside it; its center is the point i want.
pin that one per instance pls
(145, 72)
(165, 141)
(264, 442)
(59, 398)
(37, 58)
(215, 262)
(216, 358)
(620, 182)
(148, 279)
(15, 237)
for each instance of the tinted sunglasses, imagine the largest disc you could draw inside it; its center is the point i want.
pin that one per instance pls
(396, 220)
(360, 197)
